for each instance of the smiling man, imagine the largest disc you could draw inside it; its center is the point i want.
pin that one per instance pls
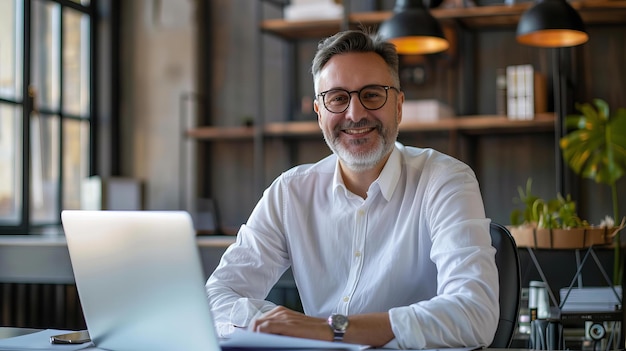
(389, 244)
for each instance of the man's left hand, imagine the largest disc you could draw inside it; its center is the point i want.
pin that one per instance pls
(284, 321)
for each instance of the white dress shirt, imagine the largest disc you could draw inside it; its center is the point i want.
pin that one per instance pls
(418, 247)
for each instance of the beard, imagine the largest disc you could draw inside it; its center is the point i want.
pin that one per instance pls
(360, 161)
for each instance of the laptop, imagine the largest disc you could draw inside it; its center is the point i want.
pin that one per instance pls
(141, 285)
(140, 280)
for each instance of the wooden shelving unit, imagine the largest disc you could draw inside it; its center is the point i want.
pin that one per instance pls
(592, 11)
(465, 124)
(484, 33)
(221, 133)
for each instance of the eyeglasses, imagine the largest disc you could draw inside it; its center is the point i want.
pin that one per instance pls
(372, 97)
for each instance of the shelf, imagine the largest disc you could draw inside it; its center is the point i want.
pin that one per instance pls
(465, 124)
(591, 11)
(221, 133)
(293, 129)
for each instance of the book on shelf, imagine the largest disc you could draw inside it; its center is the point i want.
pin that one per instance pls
(501, 92)
(520, 91)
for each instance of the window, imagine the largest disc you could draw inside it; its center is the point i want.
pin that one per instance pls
(46, 110)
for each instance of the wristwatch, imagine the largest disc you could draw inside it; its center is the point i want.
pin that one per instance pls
(338, 324)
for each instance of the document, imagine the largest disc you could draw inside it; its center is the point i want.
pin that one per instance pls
(244, 338)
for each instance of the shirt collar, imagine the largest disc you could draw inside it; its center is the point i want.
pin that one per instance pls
(387, 180)
(338, 183)
(390, 175)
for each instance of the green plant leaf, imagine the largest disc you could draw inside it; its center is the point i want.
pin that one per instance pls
(596, 148)
(527, 199)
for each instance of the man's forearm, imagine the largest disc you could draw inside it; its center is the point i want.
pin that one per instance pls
(372, 329)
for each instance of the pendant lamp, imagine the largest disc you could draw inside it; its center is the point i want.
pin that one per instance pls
(413, 30)
(554, 24)
(551, 24)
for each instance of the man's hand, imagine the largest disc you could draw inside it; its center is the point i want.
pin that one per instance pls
(372, 329)
(284, 321)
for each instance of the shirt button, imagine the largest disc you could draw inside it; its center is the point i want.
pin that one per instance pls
(357, 254)
(346, 298)
(361, 213)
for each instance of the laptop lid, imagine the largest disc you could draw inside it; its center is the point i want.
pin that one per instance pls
(140, 280)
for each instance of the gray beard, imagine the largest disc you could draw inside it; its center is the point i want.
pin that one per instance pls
(361, 162)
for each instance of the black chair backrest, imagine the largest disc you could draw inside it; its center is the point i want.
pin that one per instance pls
(507, 260)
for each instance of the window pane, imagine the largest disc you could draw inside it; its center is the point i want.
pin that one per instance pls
(75, 63)
(75, 161)
(11, 39)
(46, 54)
(10, 164)
(44, 169)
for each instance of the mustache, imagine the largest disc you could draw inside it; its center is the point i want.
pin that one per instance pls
(364, 123)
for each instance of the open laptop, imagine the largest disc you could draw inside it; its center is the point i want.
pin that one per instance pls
(140, 280)
(141, 285)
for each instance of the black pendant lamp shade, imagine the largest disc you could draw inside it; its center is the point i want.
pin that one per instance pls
(413, 30)
(551, 24)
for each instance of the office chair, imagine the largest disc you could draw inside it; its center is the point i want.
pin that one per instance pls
(507, 261)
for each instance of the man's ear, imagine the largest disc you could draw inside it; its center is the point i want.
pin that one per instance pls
(316, 108)
(399, 107)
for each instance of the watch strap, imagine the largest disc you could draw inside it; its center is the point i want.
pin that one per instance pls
(338, 335)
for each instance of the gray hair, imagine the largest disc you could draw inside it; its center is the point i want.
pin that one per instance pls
(355, 41)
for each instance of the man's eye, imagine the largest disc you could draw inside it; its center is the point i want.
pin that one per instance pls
(337, 99)
(370, 95)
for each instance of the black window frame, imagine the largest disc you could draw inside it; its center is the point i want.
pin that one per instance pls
(25, 224)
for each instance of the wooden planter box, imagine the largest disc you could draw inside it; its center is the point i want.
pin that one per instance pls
(578, 238)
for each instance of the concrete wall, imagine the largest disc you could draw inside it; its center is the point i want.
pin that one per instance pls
(158, 68)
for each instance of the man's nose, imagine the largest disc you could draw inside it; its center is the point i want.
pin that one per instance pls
(356, 111)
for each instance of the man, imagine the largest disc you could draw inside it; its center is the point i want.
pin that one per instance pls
(389, 241)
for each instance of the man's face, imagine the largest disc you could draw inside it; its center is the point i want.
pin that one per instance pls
(361, 138)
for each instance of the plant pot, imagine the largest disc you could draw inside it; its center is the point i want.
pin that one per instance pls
(524, 235)
(597, 236)
(543, 238)
(568, 238)
(577, 238)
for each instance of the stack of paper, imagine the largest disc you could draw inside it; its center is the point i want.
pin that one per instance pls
(591, 299)
(425, 111)
(313, 9)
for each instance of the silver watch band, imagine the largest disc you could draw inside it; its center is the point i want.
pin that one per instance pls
(338, 336)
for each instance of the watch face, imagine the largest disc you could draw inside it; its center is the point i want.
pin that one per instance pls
(339, 322)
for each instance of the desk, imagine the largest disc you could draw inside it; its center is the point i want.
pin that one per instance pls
(40, 342)
(7, 332)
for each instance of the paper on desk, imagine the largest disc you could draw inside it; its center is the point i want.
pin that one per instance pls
(244, 338)
(450, 349)
(39, 341)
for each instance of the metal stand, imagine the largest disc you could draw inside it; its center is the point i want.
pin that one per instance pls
(616, 326)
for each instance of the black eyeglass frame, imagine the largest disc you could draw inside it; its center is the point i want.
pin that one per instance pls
(385, 87)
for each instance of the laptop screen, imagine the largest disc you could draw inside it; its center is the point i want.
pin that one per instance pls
(140, 280)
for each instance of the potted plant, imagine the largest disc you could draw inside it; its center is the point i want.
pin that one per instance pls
(552, 223)
(595, 148)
